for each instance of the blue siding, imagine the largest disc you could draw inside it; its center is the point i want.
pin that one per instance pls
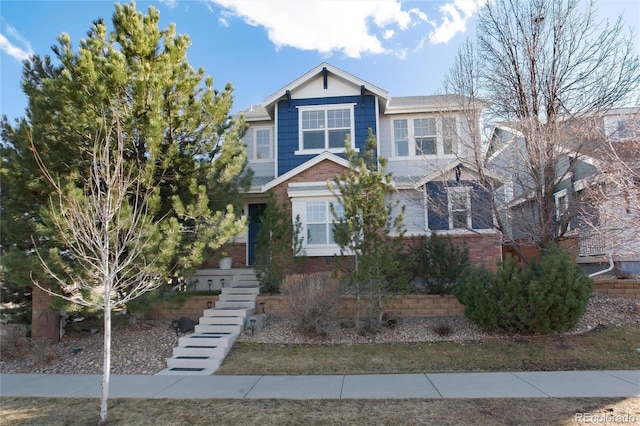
(481, 213)
(438, 206)
(364, 119)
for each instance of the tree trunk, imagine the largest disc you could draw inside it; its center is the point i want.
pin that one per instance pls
(106, 354)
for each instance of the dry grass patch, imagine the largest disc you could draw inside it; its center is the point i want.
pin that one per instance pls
(610, 347)
(131, 412)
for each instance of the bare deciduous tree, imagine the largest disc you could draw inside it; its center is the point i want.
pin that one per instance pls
(615, 193)
(548, 69)
(111, 239)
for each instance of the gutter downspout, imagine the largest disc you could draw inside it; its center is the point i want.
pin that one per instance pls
(609, 269)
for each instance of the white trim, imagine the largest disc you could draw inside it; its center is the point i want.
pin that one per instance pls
(413, 150)
(466, 192)
(256, 129)
(460, 231)
(304, 166)
(299, 208)
(450, 166)
(276, 149)
(300, 81)
(561, 210)
(325, 128)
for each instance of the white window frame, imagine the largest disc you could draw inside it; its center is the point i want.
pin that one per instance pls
(465, 192)
(325, 108)
(255, 143)
(412, 136)
(299, 209)
(561, 207)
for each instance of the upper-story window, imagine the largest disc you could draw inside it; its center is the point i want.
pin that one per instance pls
(263, 149)
(325, 128)
(425, 136)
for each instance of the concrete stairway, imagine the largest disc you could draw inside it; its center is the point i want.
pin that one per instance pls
(202, 352)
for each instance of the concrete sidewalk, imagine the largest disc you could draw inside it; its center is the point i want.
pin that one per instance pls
(557, 384)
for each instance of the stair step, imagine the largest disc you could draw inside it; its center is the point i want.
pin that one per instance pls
(228, 312)
(219, 328)
(186, 372)
(237, 298)
(240, 290)
(209, 351)
(194, 362)
(208, 339)
(235, 304)
(219, 319)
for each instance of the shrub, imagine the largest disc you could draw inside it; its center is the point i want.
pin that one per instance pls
(441, 263)
(15, 343)
(312, 300)
(547, 297)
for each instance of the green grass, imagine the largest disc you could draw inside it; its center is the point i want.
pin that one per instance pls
(611, 348)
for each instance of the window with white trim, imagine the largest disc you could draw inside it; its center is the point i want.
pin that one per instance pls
(425, 136)
(401, 138)
(562, 203)
(263, 144)
(449, 135)
(325, 128)
(429, 136)
(459, 208)
(319, 222)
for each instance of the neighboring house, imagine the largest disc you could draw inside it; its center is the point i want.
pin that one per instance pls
(295, 145)
(595, 202)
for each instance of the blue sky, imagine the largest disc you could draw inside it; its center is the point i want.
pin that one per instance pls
(403, 47)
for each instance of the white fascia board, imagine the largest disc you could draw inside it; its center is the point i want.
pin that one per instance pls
(378, 92)
(450, 166)
(326, 155)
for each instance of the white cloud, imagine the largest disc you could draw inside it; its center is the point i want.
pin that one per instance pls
(327, 26)
(454, 19)
(170, 3)
(10, 48)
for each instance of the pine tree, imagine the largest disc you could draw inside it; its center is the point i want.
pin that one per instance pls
(367, 230)
(441, 263)
(118, 176)
(178, 132)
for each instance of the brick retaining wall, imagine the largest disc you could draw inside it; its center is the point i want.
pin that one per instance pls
(618, 288)
(45, 320)
(409, 306)
(412, 306)
(192, 308)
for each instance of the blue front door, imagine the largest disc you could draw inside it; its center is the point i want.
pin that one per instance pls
(255, 220)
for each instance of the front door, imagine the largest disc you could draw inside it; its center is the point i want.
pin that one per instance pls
(255, 220)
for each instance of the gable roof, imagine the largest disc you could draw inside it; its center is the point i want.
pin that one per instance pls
(452, 165)
(326, 155)
(302, 80)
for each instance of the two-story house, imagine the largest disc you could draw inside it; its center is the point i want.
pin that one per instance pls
(596, 210)
(295, 144)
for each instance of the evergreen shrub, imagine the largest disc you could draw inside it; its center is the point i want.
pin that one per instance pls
(441, 263)
(547, 297)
